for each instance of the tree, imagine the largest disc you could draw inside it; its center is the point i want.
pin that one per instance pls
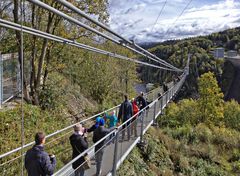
(232, 115)
(211, 99)
(42, 51)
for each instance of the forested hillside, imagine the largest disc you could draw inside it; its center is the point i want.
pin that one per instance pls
(194, 137)
(202, 59)
(62, 83)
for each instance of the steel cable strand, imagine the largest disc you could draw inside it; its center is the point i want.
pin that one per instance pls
(38, 33)
(77, 22)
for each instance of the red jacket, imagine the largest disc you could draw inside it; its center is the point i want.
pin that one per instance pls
(135, 107)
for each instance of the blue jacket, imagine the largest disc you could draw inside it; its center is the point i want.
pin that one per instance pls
(38, 162)
(113, 120)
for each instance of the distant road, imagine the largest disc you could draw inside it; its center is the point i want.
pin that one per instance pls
(234, 90)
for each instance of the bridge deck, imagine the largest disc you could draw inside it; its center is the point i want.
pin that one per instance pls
(124, 146)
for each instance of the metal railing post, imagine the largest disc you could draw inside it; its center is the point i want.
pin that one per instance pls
(161, 104)
(1, 80)
(143, 116)
(154, 110)
(115, 158)
(166, 98)
(154, 114)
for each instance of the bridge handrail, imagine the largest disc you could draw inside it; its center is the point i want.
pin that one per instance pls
(95, 144)
(62, 130)
(64, 168)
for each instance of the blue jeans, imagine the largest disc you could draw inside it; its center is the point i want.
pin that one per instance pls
(127, 125)
(99, 158)
(79, 172)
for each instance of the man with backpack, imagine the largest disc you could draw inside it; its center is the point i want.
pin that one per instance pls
(125, 113)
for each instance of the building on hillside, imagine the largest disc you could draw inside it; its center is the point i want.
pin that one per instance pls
(219, 53)
(231, 53)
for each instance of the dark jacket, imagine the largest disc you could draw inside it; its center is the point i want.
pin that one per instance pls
(93, 127)
(125, 111)
(79, 144)
(142, 102)
(98, 134)
(38, 162)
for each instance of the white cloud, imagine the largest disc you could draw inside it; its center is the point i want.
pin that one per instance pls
(137, 21)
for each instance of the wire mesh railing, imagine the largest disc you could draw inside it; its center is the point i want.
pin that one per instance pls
(57, 143)
(125, 137)
(9, 76)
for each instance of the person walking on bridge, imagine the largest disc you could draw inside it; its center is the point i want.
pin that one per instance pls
(98, 134)
(113, 120)
(134, 120)
(94, 126)
(78, 141)
(125, 113)
(141, 101)
(37, 161)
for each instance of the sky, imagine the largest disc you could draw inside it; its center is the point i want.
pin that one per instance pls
(136, 19)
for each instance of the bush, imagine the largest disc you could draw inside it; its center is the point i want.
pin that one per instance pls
(225, 138)
(183, 113)
(185, 132)
(232, 115)
(203, 133)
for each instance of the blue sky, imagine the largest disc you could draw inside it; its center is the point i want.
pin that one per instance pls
(135, 19)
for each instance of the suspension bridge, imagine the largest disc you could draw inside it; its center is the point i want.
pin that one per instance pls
(116, 150)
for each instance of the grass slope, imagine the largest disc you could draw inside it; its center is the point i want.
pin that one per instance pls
(197, 151)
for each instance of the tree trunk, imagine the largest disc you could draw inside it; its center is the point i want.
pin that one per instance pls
(33, 59)
(45, 76)
(41, 60)
(18, 37)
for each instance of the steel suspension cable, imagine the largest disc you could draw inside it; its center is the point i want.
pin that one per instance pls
(62, 40)
(152, 56)
(77, 22)
(22, 87)
(158, 16)
(46, 35)
(78, 11)
(57, 132)
(185, 8)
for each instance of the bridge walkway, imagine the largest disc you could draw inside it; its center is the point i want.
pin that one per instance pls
(116, 149)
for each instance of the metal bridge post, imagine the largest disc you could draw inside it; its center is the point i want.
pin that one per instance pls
(166, 98)
(154, 114)
(1, 80)
(169, 94)
(142, 124)
(115, 158)
(161, 103)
